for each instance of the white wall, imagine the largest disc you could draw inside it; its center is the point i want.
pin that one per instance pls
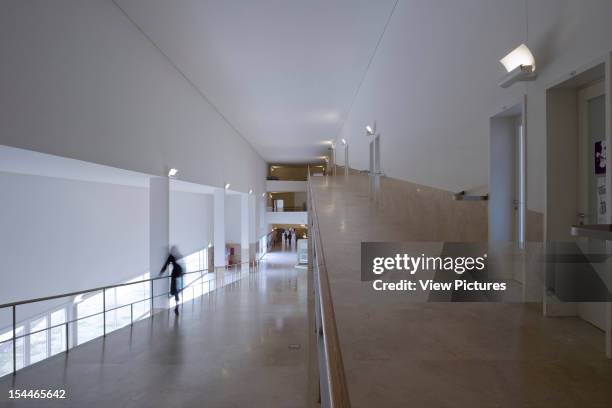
(432, 85)
(282, 186)
(288, 217)
(65, 235)
(79, 80)
(191, 221)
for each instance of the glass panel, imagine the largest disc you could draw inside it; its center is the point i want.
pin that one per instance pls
(89, 328)
(20, 347)
(6, 353)
(38, 341)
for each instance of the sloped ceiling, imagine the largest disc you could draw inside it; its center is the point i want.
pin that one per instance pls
(283, 73)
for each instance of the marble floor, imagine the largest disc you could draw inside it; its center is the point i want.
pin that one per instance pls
(242, 346)
(398, 352)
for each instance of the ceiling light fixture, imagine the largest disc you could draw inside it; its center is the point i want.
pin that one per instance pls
(250, 191)
(227, 186)
(173, 172)
(520, 65)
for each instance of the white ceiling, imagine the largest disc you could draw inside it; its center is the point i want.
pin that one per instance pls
(284, 73)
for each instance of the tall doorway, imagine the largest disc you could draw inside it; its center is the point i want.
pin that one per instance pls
(578, 193)
(593, 205)
(507, 176)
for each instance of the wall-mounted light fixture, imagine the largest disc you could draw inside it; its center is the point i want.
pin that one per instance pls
(344, 141)
(227, 186)
(172, 172)
(520, 65)
(210, 244)
(250, 191)
(370, 130)
(263, 195)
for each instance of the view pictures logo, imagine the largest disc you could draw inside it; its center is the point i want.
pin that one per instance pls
(412, 264)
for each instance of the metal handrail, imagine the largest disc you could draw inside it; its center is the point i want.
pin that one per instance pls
(13, 305)
(463, 196)
(334, 375)
(80, 292)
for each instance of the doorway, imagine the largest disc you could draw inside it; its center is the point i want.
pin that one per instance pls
(578, 191)
(593, 205)
(507, 176)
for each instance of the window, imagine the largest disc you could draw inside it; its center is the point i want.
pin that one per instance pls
(90, 324)
(38, 340)
(57, 335)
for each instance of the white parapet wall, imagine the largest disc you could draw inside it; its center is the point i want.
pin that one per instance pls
(287, 217)
(281, 186)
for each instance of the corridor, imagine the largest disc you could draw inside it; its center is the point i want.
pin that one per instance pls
(243, 345)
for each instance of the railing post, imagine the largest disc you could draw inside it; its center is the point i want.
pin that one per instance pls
(151, 297)
(67, 344)
(104, 312)
(14, 340)
(131, 314)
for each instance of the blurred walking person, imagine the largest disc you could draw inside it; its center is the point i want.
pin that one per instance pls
(176, 275)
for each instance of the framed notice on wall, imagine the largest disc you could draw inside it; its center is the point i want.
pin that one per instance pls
(600, 157)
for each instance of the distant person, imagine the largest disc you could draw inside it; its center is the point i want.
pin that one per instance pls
(289, 237)
(294, 234)
(176, 275)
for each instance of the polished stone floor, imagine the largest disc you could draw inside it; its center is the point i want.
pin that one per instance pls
(243, 346)
(398, 352)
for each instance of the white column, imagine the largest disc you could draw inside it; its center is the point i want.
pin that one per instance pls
(159, 233)
(219, 228)
(244, 227)
(346, 159)
(253, 219)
